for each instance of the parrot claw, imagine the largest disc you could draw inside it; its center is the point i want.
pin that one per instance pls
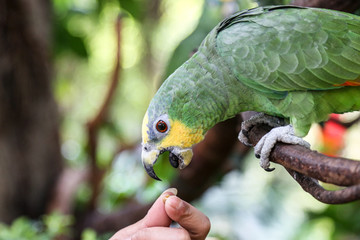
(279, 133)
(259, 118)
(283, 134)
(269, 169)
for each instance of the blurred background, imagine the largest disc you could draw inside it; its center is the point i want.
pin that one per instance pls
(77, 77)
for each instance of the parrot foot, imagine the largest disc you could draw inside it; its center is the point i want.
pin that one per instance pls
(279, 133)
(259, 118)
(283, 134)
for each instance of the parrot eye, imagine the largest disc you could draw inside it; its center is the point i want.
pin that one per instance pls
(161, 126)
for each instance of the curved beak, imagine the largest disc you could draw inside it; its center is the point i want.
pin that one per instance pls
(178, 157)
(149, 156)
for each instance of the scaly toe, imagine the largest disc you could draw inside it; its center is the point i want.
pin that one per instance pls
(243, 137)
(267, 142)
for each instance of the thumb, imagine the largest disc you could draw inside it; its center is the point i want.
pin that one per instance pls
(191, 219)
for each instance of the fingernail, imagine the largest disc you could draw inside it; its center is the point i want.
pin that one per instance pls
(169, 192)
(172, 191)
(175, 203)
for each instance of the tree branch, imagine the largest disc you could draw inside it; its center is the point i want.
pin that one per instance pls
(341, 5)
(94, 124)
(311, 186)
(304, 164)
(67, 185)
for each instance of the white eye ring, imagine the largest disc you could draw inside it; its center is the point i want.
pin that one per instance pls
(161, 125)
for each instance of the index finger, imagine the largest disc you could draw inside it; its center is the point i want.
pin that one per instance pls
(156, 216)
(190, 218)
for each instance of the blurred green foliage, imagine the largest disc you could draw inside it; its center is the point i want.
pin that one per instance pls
(49, 227)
(341, 221)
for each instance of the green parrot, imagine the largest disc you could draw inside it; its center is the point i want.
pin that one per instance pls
(292, 63)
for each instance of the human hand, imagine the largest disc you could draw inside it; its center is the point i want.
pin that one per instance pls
(155, 225)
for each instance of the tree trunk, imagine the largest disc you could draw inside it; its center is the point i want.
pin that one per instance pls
(30, 159)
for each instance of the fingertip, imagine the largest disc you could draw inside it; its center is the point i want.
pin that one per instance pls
(173, 191)
(167, 193)
(190, 218)
(175, 208)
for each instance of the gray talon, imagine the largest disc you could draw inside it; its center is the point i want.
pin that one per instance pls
(269, 169)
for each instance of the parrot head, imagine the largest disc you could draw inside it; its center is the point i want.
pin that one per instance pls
(161, 133)
(172, 123)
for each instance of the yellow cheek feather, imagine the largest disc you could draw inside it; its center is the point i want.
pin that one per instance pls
(181, 136)
(145, 136)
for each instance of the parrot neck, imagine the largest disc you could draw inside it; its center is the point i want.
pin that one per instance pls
(209, 93)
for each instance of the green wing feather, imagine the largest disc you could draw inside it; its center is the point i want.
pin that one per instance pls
(291, 48)
(302, 58)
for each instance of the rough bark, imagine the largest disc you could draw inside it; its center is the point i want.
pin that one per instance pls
(29, 142)
(341, 5)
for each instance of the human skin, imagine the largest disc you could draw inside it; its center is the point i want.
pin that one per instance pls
(156, 224)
